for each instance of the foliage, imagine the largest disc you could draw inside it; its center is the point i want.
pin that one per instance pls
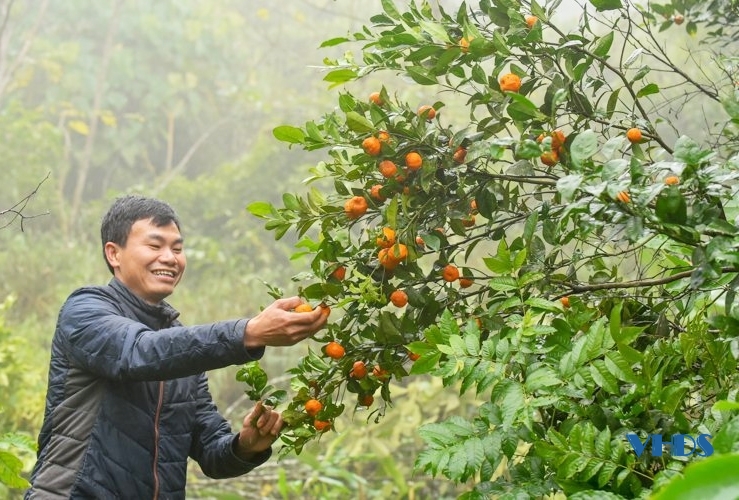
(12, 446)
(601, 267)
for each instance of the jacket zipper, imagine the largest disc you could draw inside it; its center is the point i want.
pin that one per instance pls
(156, 439)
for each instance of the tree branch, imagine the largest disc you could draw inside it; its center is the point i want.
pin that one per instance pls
(16, 211)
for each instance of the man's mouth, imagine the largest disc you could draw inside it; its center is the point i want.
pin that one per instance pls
(168, 274)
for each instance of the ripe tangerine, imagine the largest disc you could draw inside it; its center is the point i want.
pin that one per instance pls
(413, 160)
(372, 146)
(322, 425)
(386, 239)
(426, 111)
(355, 207)
(399, 298)
(312, 407)
(359, 370)
(450, 273)
(634, 135)
(387, 168)
(376, 98)
(334, 350)
(510, 83)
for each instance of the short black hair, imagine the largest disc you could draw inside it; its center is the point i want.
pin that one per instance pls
(126, 211)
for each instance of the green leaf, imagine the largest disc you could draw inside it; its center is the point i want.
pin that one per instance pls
(426, 363)
(421, 75)
(714, 478)
(604, 45)
(286, 133)
(261, 209)
(583, 147)
(10, 471)
(436, 31)
(358, 123)
(649, 89)
(389, 7)
(333, 41)
(603, 5)
(340, 76)
(544, 376)
(568, 186)
(671, 207)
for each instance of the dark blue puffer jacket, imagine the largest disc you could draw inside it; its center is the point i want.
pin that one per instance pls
(128, 400)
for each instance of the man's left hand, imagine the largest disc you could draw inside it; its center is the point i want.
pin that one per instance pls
(261, 428)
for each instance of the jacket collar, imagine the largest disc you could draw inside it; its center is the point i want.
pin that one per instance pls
(149, 314)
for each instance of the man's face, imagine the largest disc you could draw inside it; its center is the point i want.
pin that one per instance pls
(152, 262)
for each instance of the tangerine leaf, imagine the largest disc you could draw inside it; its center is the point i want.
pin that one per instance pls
(287, 133)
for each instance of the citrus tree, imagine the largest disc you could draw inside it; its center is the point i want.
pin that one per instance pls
(564, 246)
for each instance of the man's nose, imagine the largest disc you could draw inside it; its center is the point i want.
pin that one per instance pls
(167, 255)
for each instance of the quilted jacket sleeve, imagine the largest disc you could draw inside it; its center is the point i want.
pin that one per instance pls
(97, 338)
(212, 441)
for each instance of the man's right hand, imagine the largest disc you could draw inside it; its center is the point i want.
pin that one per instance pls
(277, 325)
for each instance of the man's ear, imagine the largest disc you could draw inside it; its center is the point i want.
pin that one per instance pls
(112, 252)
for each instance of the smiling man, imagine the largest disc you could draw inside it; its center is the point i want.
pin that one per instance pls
(128, 399)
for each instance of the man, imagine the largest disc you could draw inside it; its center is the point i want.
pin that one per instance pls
(128, 401)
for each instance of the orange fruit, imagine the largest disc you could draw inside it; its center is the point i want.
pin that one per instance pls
(413, 356)
(459, 155)
(387, 168)
(413, 160)
(386, 260)
(634, 135)
(375, 193)
(420, 242)
(398, 252)
(672, 180)
(468, 221)
(510, 83)
(303, 308)
(678, 19)
(399, 298)
(623, 197)
(450, 273)
(312, 407)
(372, 146)
(473, 206)
(565, 301)
(324, 309)
(355, 207)
(335, 350)
(465, 282)
(322, 425)
(386, 239)
(359, 370)
(549, 158)
(558, 139)
(376, 98)
(339, 273)
(426, 111)
(383, 136)
(365, 399)
(380, 373)
(464, 44)
(531, 21)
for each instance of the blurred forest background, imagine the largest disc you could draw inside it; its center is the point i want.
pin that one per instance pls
(178, 99)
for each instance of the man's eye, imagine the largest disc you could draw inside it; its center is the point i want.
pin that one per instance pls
(154, 247)
(177, 250)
